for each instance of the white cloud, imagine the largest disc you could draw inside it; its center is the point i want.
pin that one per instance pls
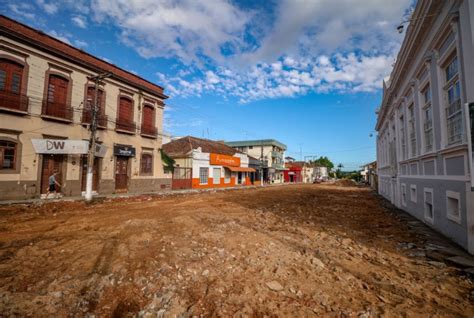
(186, 29)
(48, 7)
(61, 37)
(79, 21)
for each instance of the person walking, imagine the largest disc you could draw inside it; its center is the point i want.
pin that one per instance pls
(52, 183)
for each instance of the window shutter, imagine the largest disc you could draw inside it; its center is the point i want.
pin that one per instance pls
(148, 113)
(125, 109)
(57, 90)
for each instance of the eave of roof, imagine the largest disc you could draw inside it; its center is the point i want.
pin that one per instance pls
(258, 142)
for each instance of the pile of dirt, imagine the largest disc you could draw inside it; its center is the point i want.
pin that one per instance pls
(345, 183)
(296, 251)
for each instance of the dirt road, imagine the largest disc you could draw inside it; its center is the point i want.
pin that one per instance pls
(305, 250)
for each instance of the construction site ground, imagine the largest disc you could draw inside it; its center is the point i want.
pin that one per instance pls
(298, 251)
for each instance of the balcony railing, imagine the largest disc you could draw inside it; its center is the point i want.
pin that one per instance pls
(101, 119)
(149, 131)
(126, 126)
(55, 110)
(14, 102)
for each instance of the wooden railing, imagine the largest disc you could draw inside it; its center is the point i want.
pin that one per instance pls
(149, 131)
(101, 119)
(57, 110)
(13, 101)
(125, 125)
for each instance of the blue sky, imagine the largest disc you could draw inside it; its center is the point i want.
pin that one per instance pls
(308, 73)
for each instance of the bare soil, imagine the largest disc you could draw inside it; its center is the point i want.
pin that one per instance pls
(301, 250)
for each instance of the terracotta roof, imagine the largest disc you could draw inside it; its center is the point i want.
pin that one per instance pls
(20, 32)
(183, 146)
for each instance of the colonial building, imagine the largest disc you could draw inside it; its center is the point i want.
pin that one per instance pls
(202, 163)
(270, 151)
(424, 140)
(369, 174)
(46, 97)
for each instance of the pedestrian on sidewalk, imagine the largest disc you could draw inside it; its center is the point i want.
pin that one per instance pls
(52, 184)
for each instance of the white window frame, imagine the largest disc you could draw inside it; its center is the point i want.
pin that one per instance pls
(413, 198)
(214, 181)
(404, 194)
(428, 219)
(456, 196)
(453, 111)
(428, 129)
(201, 175)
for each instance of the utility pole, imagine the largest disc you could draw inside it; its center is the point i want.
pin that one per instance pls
(93, 128)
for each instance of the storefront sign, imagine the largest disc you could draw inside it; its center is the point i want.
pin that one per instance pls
(100, 150)
(224, 160)
(60, 146)
(125, 151)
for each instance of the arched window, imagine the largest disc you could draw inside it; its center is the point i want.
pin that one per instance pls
(8, 155)
(125, 115)
(11, 84)
(57, 98)
(148, 120)
(89, 103)
(11, 75)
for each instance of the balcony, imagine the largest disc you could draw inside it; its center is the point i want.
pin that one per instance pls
(149, 131)
(277, 154)
(101, 119)
(17, 103)
(125, 126)
(57, 111)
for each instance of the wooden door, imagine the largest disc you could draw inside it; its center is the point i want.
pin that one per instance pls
(125, 110)
(50, 164)
(95, 174)
(148, 114)
(121, 173)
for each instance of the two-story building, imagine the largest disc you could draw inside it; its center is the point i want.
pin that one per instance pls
(424, 125)
(270, 151)
(47, 93)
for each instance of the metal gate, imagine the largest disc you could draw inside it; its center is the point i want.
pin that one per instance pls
(182, 178)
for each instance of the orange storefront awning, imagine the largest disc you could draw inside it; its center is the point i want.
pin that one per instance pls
(240, 169)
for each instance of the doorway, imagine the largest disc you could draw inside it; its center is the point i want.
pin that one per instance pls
(95, 174)
(121, 174)
(50, 164)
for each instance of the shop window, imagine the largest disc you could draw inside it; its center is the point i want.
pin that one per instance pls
(8, 153)
(413, 193)
(203, 175)
(453, 206)
(227, 175)
(428, 205)
(216, 175)
(146, 164)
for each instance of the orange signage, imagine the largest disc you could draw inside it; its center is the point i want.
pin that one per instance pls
(224, 160)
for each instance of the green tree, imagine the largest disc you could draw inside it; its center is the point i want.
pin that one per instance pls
(325, 162)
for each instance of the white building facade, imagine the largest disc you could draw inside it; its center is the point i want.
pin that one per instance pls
(424, 141)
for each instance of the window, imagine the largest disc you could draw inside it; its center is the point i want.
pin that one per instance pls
(412, 131)
(227, 175)
(427, 119)
(402, 138)
(453, 206)
(250, 147)
(428, 205)
(146, 164)
(413, 197)
(404, 194)
(125, 115)
(56, 99)
(203, 175)
(11, 74)
(216, 176)
(148, 121)
(7, 155)
(91, 99)
(453, 107)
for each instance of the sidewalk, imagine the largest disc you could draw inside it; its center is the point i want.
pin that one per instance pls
(131, 195)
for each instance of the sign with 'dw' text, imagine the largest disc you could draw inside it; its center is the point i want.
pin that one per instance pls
(60, 146)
